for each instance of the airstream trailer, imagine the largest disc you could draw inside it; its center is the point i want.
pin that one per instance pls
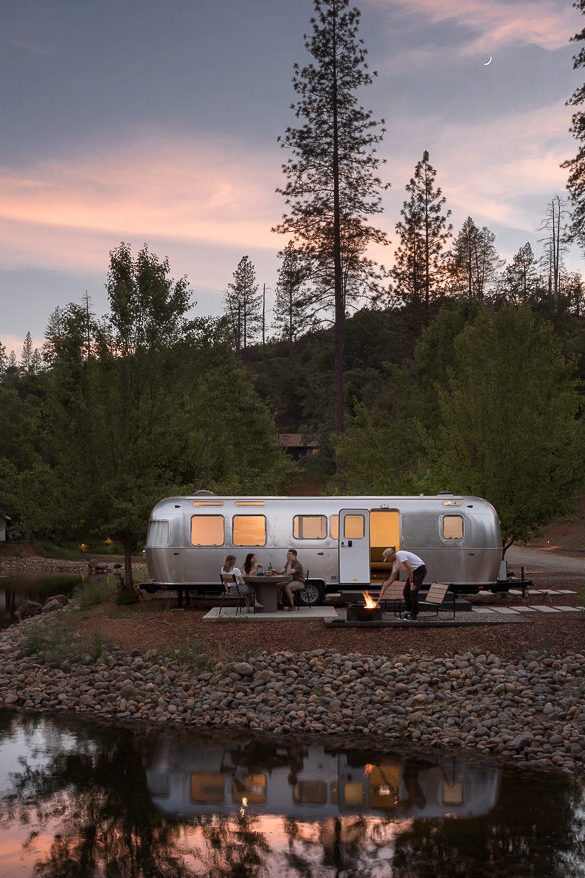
(339, 540)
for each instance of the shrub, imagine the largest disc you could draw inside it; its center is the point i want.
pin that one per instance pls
(56, 643)
(94, 591)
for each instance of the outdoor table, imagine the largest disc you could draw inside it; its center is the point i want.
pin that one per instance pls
(266, 588)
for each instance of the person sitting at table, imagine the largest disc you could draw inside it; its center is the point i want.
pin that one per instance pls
(229, 569)
(250, 565)
(294, 569)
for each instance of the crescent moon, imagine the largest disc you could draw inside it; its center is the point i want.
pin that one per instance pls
(488, 62)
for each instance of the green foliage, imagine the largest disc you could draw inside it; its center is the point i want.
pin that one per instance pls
(509, 427)
(55, 643)
(376, 457)
(473, 261)
(423, 231)
(95, 591)
(332, 185)
(383, 449)
(190, 656)
(139, 405)
(487, 406)
(293, 314)
(243, 304)
(126, 596)
(47, 549)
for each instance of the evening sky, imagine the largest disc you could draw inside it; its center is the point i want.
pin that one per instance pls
(151, 121)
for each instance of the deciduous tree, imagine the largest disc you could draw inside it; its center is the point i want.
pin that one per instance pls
(508, 426)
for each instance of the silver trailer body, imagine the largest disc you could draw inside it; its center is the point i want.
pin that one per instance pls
(339, 540)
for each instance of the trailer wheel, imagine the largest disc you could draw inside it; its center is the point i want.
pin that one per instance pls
(313, 594)
(149, 588)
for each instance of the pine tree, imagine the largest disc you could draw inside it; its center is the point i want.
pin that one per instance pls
(576, 166)
(473, 261)
(243, 304)
(292, 309)
(27, 352)
(332, 184)
(419, 270)
(521, 282)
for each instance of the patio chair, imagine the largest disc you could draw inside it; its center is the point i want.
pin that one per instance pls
(439, 597)
(393, 600)
(230, 589)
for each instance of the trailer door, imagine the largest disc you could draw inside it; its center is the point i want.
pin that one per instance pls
(354, 546)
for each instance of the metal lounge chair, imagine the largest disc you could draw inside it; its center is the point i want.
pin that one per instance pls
(439, 597)
(229, 589)
(393, 600)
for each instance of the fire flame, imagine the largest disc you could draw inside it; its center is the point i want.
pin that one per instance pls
(369, 602)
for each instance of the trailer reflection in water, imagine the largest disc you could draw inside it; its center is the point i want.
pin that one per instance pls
(312, 783)
(81, 799)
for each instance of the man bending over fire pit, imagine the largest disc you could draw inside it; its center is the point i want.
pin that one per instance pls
(416, 571)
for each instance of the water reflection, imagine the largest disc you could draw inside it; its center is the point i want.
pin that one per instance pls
(312, 782)
(88, 801)
(15, 590)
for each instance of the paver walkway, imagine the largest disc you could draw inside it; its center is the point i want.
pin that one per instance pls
(538, 608)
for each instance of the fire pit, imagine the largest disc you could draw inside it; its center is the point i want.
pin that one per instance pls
(369, 611)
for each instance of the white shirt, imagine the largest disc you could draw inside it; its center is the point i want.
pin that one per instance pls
(235, 570)
(403, 556)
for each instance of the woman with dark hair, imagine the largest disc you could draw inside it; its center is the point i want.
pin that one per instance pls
(229, 570)
(250, 565)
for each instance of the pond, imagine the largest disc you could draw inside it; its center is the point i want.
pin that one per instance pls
(14, 590)
(81, 800)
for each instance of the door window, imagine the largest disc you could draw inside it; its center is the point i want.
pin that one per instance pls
(353, 527)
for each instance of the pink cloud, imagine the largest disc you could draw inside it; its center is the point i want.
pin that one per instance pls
(191, 192)
(545, 23)
(487, 169)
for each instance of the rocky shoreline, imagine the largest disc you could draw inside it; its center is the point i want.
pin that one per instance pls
(531, 712)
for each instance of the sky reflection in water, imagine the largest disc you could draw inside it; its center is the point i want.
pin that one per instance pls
(77, 800)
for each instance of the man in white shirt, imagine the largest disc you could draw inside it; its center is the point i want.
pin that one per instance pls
(416, 571)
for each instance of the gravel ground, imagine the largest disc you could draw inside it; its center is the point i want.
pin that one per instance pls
(512, 690)
(158, 624)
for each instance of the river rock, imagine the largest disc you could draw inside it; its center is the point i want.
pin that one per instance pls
(28, 609)
(51, 605)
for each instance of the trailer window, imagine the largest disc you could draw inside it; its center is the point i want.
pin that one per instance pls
(158, 533)
(309, 527)
(353, 527)
(207, 530)
(249, 530)
(334, 527)
(453, 527)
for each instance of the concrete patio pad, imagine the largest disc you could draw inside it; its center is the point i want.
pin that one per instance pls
(303, 614)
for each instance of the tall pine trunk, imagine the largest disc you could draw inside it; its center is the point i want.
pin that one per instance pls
(338, 273)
